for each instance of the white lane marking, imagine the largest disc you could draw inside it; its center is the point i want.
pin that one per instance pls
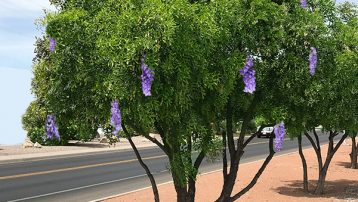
(78, 188)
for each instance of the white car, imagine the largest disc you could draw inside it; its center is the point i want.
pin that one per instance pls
(265, 132)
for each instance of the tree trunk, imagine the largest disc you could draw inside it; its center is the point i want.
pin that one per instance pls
(224, 156)
(304, 164)
(190, 196)
(181, 193)
(354, 153)
(321, 182)
(145, 167)
(229, 184)
(259, 172)
(317, 149)
(179, 183)
(331, 151)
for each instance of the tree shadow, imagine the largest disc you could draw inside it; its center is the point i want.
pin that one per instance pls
(339, 189)
(344, 164)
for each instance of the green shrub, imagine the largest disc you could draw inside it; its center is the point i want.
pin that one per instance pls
(37, 135)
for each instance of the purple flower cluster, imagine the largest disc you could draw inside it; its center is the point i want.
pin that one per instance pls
(116, 119)
(248, 74)
(303, 3)
(313, 61)
(147, 78)
(279, 131)
(51, 128)
(52, 44)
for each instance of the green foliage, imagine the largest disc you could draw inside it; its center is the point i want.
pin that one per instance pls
(37, 135)
(196, 51)
(34, 117)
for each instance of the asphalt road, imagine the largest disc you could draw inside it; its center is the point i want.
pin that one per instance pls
(90, 177)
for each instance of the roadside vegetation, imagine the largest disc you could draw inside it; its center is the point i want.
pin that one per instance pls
(196, 72)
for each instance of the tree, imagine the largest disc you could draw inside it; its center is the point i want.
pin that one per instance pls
(347, 60)
(98, 58)
(280, 37)
(327, 100)
(195, 51)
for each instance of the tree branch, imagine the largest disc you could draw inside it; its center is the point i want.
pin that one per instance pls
(340, 142)
(317, 140)
(259, 173)
(145, 167)
(304, 164)
(229, 129)
(256, 133)
(318, 152)
(248, 116)
(199, 159)
(223, 134)
(155, 141)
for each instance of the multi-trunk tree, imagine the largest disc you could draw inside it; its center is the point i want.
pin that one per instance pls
(182, 68)
(328, 98)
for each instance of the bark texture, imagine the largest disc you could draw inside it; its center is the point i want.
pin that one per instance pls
(304, 164)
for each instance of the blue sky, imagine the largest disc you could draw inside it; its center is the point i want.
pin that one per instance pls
(17, 36)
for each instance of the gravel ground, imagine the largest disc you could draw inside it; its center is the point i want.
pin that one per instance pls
(281, 181)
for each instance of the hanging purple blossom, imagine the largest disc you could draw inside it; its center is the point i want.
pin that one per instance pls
(313, 61)
(279, 131)
(147, 78)
(52, 44)
(303, 3)
(116, 119)
(248, 74)
(51, 128)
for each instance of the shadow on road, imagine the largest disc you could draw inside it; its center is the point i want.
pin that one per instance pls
(339, 189)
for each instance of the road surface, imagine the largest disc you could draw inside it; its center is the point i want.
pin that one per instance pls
(94, 176)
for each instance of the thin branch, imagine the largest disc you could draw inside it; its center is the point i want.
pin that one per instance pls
(317, 139)
(248, 116)
(304, 164)
(256, 133)
(311, 141)
(340, 142)
(189, 143)
(317, 151)
(331, 142)
(229, 129)
(155, 141)
(223, 134)
(145, 167)
(199, 159)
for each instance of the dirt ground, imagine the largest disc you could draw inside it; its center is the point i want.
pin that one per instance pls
(281, 181)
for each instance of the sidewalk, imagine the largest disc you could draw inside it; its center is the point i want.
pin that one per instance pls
(281, 181)
(15, 153)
